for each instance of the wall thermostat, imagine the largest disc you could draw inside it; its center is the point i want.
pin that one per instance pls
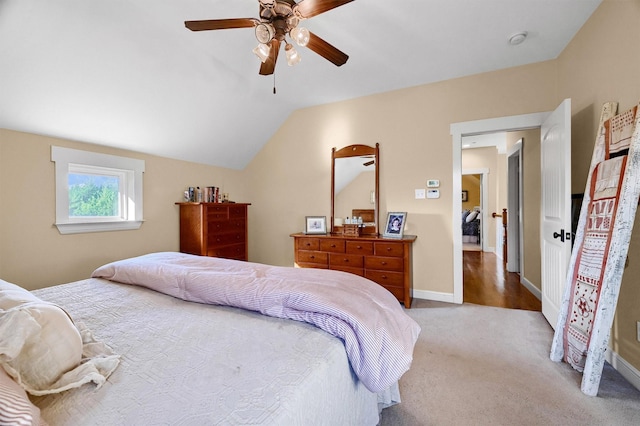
(433, 193)
(433, 183)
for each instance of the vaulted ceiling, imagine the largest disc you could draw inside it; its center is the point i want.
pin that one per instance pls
(128, 74)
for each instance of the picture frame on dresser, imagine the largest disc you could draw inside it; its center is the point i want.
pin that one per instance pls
(315, 225)
(394, 226)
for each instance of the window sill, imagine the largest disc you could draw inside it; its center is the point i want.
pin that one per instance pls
(78, 228)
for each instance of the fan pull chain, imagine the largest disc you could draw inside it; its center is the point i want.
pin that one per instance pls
(274, 82)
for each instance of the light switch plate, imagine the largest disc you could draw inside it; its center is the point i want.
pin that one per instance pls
(420, 194)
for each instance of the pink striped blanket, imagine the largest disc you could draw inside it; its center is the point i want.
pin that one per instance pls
(378, 335)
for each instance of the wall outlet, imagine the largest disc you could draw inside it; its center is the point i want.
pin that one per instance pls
(420, 194)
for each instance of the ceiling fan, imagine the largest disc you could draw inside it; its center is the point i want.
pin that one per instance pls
(278, 19)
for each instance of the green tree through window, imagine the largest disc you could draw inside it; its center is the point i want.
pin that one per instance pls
(92, 195)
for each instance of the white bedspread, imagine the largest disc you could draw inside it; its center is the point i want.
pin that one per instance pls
(186, 363)
(378, 335)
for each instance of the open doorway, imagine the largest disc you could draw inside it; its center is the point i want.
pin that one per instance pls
(474, 128)
(473, 221)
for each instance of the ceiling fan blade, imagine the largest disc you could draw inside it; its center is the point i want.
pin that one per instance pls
(221, 24)
(269, 66)
(309, 8)
(326, 50)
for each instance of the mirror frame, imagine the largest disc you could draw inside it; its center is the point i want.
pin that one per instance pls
(357, 151)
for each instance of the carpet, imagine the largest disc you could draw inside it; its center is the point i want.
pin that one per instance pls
(480, 365)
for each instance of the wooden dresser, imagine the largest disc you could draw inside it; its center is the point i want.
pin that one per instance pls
(386, 261)
(214, 229)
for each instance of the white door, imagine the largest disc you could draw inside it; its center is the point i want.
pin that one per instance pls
(555, 228)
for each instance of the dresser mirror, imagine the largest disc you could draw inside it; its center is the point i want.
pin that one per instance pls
(354, 188)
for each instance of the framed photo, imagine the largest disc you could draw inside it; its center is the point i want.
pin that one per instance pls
(315, 225)
(465, 195)
(395, 224)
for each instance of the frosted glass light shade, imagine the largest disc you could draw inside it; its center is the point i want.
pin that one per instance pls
(292, 55)
(262, 51)
(300, 35)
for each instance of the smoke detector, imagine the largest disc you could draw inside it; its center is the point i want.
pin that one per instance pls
(518, 38)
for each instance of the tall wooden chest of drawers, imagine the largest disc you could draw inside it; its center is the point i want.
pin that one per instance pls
(214, 229)
(383, 260)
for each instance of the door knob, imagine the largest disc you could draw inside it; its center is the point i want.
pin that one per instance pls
(562, 235)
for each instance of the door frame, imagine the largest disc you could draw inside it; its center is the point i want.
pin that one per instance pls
(515, 228)
(472, 128)
(484, 191)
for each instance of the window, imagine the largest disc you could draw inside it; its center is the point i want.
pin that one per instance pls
(96, 192)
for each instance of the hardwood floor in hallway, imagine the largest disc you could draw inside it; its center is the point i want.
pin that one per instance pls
(487, 282)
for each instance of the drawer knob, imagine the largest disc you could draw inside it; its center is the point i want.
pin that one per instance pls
(384, 263)
(308, 244)
(384, 277)
(333, 246)
(313, 257)
(346, 260)
(359, 247)
(388, 248)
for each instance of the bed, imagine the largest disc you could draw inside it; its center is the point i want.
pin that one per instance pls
(183, 357)
(471, 226)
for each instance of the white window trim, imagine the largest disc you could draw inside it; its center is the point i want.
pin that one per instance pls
(132, 217)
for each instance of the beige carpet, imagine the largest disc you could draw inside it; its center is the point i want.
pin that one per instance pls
(478, 365)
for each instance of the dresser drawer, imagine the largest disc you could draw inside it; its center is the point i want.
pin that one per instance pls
(215, 240)
(226, 225)
(384, 263)
(359, 247)
(355, 271)
(398, 292)
(332, 245)
(309, 243)
(236, 212)
(385, 278)
(236, 251)
(389, 249)
(351, 260)
(215, 212)
(319, 257)
(312, 265)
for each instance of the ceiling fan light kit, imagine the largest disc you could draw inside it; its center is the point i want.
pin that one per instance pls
(279, 19)
(300, 35)
(262, 52)
(292, 55)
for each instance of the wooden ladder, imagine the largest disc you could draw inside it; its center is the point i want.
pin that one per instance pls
(594, 314)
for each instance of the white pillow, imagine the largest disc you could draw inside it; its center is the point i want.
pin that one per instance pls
(43, 350)
(15, 406)
(38, 340)
(472, 216)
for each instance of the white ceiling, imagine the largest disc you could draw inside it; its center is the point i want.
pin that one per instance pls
(128, 74)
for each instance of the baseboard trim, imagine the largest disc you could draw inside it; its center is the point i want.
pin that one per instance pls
(433, 295)
(623, 367)
(532, 288)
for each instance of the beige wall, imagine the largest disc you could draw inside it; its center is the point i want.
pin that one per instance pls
(471, 184)
(602, 63)
(412, 127)
(34, 254)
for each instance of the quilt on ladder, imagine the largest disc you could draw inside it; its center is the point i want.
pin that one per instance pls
(591, 260)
